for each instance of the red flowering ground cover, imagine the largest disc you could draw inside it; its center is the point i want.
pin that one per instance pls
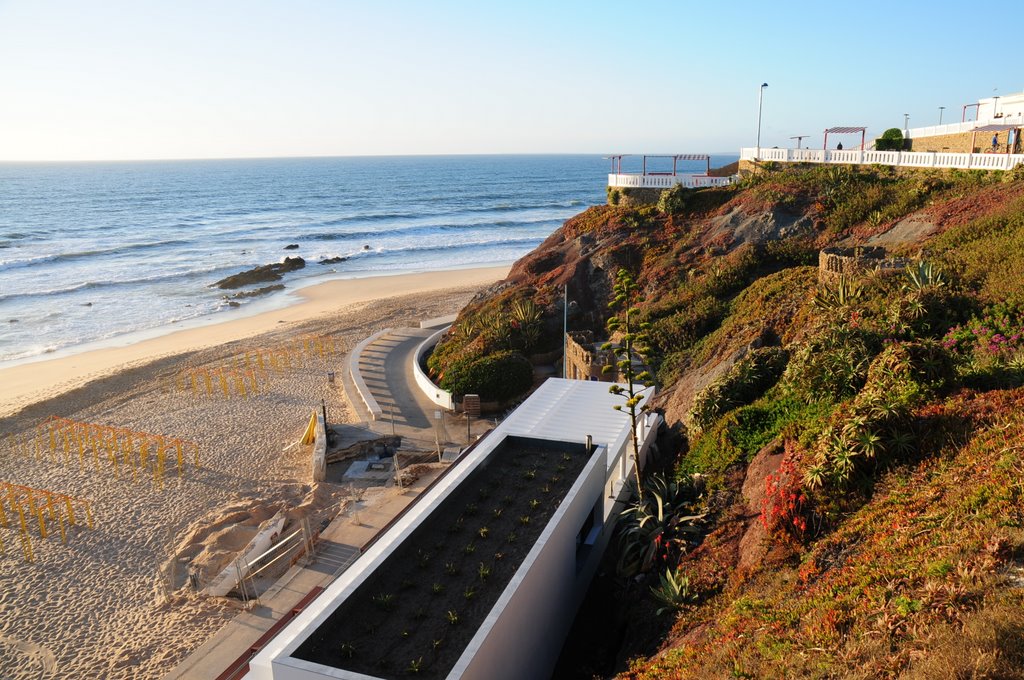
(914, 582)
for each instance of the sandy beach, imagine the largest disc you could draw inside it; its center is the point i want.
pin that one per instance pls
(101, 606)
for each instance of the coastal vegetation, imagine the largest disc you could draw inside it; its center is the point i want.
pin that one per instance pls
(838, 492)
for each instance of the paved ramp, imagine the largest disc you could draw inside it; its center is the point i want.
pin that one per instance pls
(386, 367)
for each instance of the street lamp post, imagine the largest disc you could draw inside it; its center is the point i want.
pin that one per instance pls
(760, 99)
(941, 109)
(906, 124)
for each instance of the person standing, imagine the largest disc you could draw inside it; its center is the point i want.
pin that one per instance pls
(995, 141)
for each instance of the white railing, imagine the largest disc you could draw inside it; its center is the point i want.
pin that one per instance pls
(639, 181)
(912, 159)
(442, 398)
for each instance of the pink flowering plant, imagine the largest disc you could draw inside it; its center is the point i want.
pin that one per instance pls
(997, 336)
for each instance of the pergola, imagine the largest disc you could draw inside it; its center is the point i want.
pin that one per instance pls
(845, 131)
(617, 162)
(997, 128)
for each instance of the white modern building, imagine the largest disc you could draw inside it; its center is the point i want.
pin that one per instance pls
(523, 632)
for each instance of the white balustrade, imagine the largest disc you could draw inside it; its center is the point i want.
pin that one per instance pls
(911, 159)
(638, 181)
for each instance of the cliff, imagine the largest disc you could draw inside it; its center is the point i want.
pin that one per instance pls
(852, 443)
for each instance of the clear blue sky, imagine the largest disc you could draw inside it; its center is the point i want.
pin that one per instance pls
(185, 79)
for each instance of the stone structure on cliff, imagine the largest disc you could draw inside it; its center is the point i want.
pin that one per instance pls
(855, 261)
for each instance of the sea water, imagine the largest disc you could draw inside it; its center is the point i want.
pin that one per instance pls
(91, 251)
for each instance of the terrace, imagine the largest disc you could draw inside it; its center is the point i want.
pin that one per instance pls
(655, 173)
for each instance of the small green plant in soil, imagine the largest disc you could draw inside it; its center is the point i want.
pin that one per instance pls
(545, 489)
(483, 532)
(496, 513)
(524, 519)
(469, 593)
(436, 644)
(415, 666)
(385, 601)
(437, 588)
(469, 549)
(470, 510)
(529, 474)
(453, 617)
(347, 650)
(451, 568)
(484, 572)
(534, 504)
(511, 538)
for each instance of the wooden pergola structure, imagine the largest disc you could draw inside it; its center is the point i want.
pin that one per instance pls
(845, 131)
(617, 162)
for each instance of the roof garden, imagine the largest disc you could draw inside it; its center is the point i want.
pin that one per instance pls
(417, 612)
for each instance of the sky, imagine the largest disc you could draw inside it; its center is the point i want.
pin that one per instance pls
(135, 79)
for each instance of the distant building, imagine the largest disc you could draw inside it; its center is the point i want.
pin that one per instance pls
(1009, 106)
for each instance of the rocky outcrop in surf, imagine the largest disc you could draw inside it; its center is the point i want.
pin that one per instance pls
(262, 274)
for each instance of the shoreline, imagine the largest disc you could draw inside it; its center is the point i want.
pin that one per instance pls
(30, 380)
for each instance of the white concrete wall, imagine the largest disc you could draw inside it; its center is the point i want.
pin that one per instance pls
(357, 377)
(525, 631)
(442, 398)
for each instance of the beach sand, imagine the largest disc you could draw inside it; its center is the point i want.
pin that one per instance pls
(99, 606)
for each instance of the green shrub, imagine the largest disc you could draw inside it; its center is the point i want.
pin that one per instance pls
(738, 436)
(673, 201)
(831, 365)
(495, 377)
(747, 380)
(876, 425)
(614, 196)
(891, 140)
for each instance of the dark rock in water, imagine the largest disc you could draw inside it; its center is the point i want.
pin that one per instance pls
(292, 246)
(87, 304)
(12, 321)
(333, 260)
(261, 274)
(255, 293)
(366, 247)
(232, 303)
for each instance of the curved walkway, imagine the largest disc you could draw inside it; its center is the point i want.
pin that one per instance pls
(386, 368)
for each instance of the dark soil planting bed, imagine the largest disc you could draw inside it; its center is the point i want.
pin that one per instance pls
(417, 612)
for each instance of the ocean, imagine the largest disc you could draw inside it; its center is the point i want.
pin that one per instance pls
(94, 251)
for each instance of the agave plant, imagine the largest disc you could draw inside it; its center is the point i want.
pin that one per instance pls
(841, 296)
(924, 275)
(654, 527)
(672, 592)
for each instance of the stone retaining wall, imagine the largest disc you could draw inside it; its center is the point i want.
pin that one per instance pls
(961, 143)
